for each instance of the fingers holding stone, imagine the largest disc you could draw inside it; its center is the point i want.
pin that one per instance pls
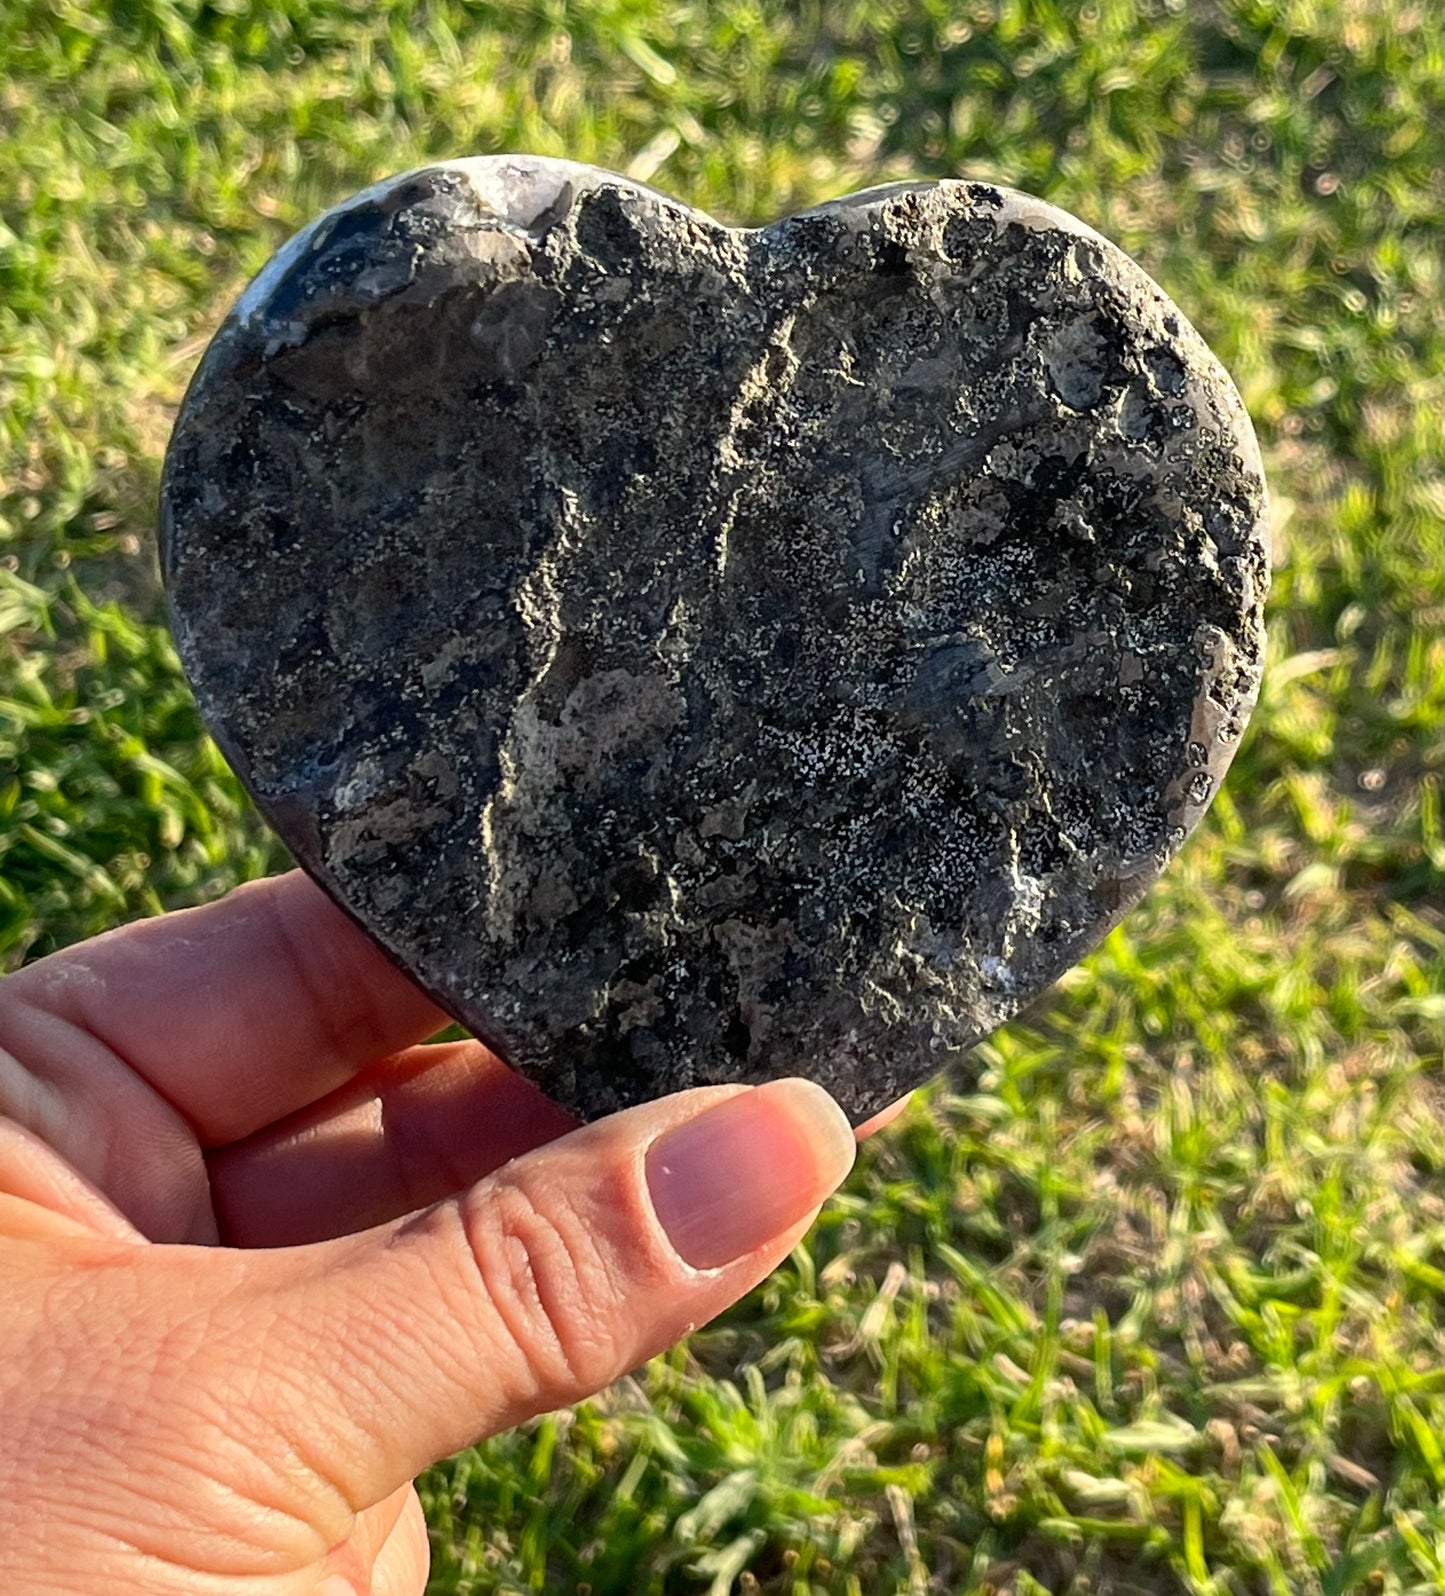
(236, 1013)
(406, 1132)
(311, 1383)
(551, 1278)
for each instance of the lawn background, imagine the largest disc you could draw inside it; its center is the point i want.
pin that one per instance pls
(1148, 1299)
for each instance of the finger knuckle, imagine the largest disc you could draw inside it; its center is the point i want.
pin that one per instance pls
(551, 1284)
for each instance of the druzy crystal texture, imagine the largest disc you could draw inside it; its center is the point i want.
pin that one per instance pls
(706, 654)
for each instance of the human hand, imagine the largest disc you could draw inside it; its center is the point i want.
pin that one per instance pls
(262, 1258)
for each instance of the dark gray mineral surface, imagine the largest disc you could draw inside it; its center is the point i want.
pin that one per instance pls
(699, 654)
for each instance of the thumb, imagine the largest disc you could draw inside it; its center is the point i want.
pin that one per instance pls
(548, 1280)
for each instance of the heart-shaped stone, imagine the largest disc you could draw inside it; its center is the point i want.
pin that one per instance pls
(700, 654)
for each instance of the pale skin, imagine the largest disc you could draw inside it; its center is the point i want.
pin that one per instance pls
(264, 1255)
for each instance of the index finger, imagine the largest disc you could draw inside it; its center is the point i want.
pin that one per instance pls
(237, 1013)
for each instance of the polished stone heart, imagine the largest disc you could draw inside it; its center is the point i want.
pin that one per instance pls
(700, 654)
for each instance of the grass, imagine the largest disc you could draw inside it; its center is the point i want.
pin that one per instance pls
(1148, 1299)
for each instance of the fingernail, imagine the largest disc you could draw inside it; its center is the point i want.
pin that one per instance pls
(746, 1169)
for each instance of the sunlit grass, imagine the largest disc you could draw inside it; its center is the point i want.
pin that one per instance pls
(1149, 1298)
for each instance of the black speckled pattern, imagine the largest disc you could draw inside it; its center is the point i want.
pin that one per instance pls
(702, 655)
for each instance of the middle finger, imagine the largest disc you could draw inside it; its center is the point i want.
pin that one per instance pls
(405, 1133)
